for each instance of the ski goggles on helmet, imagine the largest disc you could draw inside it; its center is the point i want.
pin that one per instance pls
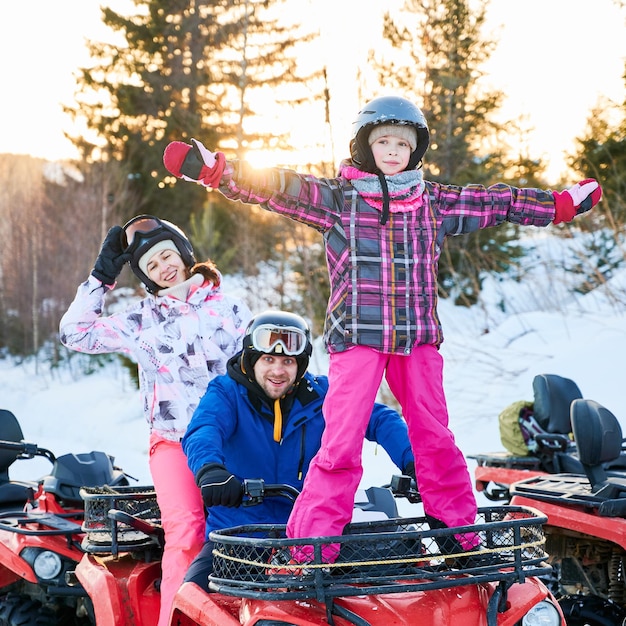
(278, 340)
(138, 230)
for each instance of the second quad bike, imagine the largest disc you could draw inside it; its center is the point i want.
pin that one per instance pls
(548, 446)
(586, 521)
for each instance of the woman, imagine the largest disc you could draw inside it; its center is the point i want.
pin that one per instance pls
(181, 336)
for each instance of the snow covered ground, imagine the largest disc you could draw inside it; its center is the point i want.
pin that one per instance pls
(492, 351)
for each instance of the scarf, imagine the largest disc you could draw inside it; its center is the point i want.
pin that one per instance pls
(183, 290)
(399, 193)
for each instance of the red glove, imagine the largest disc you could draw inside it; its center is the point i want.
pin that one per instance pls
(576, 200)
(194, 163)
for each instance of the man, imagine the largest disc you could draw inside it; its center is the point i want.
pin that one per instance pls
(263, 419)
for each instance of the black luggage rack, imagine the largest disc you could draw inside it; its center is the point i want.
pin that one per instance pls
(120, 518)
(388, 556)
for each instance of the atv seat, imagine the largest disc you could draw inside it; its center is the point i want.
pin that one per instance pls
(12, 494)
(598, 436)
(553, 396)
(549, 425)
(10, 430)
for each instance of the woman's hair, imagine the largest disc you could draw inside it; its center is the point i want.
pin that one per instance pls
(209, 270)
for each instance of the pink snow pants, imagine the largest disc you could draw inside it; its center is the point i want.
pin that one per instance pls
(182, 516)
(325, 505)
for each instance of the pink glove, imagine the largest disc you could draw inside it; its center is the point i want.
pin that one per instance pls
(576, 200)
(194, 163)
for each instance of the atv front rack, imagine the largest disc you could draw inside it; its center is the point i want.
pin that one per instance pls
(375, 557)
(120, 518)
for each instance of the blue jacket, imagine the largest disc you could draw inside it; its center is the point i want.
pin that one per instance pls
(233, 426)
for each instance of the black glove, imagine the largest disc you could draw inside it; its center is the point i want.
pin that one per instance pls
(219, 486)
(112, 257)
(409, 470)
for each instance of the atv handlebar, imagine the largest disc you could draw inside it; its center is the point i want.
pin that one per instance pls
(27, 450)
(255, 490)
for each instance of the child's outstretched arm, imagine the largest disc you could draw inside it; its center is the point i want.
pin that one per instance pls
(576, 200)
(194, 163)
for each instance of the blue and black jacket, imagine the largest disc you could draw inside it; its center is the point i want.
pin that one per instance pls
(234, 427)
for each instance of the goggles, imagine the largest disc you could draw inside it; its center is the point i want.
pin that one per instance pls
(268, 338)
(137, 230)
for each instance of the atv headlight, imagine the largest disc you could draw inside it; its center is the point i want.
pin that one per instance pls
(544, 613)
(47, 565)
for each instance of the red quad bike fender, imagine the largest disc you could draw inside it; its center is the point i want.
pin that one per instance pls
(122, 589)
(459, 605)
(13, 567)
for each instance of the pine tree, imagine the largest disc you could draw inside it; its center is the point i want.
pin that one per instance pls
(189, 69)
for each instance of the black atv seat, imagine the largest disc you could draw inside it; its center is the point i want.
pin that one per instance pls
(553, 396)
(10, 430)
(12, 494)
(598, 436)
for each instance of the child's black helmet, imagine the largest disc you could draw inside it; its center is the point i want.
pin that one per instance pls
(144, 231)
(386, 110)
(277, 332)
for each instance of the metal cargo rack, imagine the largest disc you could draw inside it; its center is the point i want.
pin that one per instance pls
(112, 518)
(388, 556)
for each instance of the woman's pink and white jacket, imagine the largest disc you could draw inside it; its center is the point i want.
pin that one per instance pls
(179, 346)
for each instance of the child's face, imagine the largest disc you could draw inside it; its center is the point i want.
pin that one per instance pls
(391, 154)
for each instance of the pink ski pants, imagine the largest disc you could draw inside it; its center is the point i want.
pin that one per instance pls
(325, 505)
(182, 516)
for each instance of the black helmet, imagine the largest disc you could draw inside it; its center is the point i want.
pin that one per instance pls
(277, 332)
(386, 110)
(143, 232)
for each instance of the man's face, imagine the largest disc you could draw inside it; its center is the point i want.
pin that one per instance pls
(275, 374)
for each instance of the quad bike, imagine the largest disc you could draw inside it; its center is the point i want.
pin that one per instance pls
(42, 536)
(389, 570)
(586, 527)
(546, 428)
(86, 552)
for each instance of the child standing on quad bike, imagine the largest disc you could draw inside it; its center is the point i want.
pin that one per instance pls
(384, 227)
(181, 335)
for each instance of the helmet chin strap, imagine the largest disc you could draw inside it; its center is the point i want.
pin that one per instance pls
(383, 184)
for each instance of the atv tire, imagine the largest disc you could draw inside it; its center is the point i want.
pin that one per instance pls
(16, 610)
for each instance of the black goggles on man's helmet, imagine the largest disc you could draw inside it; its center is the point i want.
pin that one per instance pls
(279, 339)
(138, 230)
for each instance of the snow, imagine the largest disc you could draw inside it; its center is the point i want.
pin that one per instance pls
(536, 322)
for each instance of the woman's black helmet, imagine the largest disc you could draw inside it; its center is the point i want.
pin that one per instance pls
(144, 231)
(387, 110)
(277, 332)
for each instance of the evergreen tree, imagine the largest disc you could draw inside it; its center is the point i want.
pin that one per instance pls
(189, 69)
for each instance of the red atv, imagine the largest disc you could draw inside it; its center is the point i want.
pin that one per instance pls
(43, 540)
(81, 554)
(586, 528)
(544, 443)
(389, 570)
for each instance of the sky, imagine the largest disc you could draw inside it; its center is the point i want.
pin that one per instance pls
(492, 352)
(554, 60)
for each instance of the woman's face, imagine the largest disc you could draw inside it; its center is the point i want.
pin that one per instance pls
(391, 154)
(166, 269)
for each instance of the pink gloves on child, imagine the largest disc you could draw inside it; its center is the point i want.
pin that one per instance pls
(576, 200)
(194, 163)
